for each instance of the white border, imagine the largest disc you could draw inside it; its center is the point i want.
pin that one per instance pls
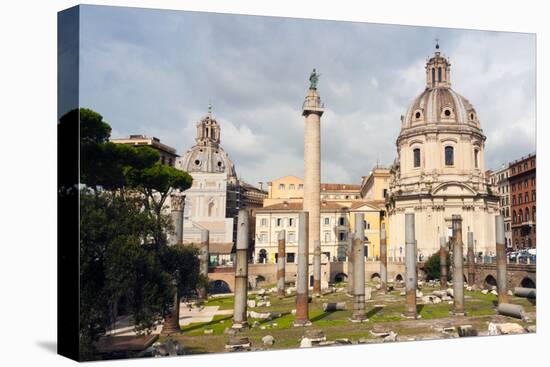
(28, 181)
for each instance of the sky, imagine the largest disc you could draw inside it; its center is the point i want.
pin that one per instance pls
(154, 72)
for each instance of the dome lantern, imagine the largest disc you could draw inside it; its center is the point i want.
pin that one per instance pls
(438, 70)
(207, 155)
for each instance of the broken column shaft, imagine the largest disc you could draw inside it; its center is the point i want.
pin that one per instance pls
(241, 271)
(317, 268)
(281, 263)
(302, 273)
(383, 260)
(349, 254)
(203, 257)
(359, 269)
(443, 262)
(177, 203)
(458, 267)
(471, 264)
(411, 282)
(501, 260)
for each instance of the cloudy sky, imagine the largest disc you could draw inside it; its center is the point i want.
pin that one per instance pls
(154, 72)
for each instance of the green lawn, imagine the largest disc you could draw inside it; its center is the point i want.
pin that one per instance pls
(385, 312)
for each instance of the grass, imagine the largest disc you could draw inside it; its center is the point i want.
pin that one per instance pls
(385, 312)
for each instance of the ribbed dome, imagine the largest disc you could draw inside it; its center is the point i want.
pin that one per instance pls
(207, 155)
(207, 159)
(440, 105)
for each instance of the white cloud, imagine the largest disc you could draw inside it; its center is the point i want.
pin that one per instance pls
(155, 73)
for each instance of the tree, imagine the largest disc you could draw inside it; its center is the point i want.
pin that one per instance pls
(122, 193)
(156, 183)
(432, 267)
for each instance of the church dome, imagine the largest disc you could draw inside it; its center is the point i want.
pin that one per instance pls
(207, 155)
(439, 103)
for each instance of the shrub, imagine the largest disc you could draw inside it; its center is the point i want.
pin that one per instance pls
(433, 269)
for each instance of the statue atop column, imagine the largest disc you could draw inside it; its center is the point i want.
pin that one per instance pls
(313, 79)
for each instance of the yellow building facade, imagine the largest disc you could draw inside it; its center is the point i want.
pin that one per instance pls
(339, 203)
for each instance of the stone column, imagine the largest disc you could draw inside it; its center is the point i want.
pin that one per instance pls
(177, 204)
(281, 262)
(172, 320)
(312, 111)
(203, 256)
(302, 273)
(411, 282)
(349, 254)
(241, 272)
(358, 314)
(443, 262)
(471, 262)
(383, 260)
(317, 269)
(458, 267)
(501, 260)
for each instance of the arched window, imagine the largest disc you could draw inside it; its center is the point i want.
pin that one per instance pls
(526, 196)
(211, 208)
(416, 154)
(527, 214)
(476, 158)
(520, 216)
(534, 213)
(449, 156)
(433, 76)
(439, 74)
(514, 219)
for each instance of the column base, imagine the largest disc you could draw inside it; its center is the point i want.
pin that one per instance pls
(357, 320)
(457, 313)
(301, 323)
(240, 325)
(411, 316)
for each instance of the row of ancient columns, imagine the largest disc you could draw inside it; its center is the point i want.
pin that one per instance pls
(457, 265)
(302, 274)
(241, 271)
(356, 269)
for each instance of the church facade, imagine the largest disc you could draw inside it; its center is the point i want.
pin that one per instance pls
(440, 169)
(216, 194)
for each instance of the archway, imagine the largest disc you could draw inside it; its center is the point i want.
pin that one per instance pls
(398, 278)
(262, 256)
(375, 277)
(527, 283)
(219, 286)
(340, 277)
(489, 282)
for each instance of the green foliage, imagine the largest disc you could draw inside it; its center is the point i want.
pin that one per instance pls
(115, 263)
(92, 127)
(124, 258)
(160, 178)
(432, 267)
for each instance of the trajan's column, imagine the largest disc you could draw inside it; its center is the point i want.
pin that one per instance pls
(312, 111)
